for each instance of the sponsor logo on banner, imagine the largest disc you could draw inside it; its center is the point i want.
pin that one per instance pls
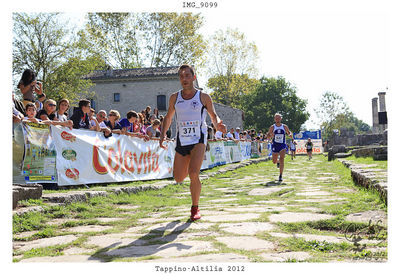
(72, 173)
(67, 136)
(69, 154)
(118, 161)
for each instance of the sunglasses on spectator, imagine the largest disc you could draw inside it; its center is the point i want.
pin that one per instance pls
(111, 114)
(52, 105)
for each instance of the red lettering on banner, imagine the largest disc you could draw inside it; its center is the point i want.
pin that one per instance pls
(111, 152)
(67, 136)
(144, 157)
(138, 164)
(155, 165)
(148, 161)
(118, 160)
(128, 165)
(96, 163)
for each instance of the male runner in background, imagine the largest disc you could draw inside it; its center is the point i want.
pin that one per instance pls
(278, 132)
(190, 106)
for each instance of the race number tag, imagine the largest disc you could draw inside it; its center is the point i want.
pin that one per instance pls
(189, 130)
(279, 138)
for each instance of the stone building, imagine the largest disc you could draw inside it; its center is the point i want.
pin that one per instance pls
(135, 89)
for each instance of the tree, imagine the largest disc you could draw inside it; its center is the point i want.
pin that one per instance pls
(40, 42)
(334, 113)
(115, 37)
(230, 90)
(172, 39)
(274, 95)
(232, 67)
(229, 53)
(45, 44)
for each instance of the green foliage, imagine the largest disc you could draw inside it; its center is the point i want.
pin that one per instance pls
(115, 37)
(45, 44)
(229, 53)
(40, 42)
(334, 113)
(229, 90)
(274, 95)
(172, 39)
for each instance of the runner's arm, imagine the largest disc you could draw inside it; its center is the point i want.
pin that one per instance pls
(288, 131)
(168, 118)
(270, 132)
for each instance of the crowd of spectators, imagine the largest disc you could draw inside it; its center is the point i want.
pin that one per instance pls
(145, 124)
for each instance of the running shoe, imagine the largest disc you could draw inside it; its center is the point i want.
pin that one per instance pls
(280, 178)
(195, 213)
(277, 165)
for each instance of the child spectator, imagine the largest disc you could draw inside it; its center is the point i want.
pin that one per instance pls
(153, 131)
(63, 106)
(31, 117)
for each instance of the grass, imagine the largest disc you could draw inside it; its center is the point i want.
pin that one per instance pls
(382, 164)
(166, 200)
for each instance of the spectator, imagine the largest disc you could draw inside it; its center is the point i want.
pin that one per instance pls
(218, 135)
(152, 118)
(80, 117)
(49, 110)
(63, 106)
(140, 128)
(93, 119)
(153, 131)
(28, 85)
(31, 117)
(128, 122)
(210, 133)
(30, 110)
(147, 115)
(168, 133)
(101, 117)
(127, 125)
(237, 133)
(230, 134)
(112, 123)
(156, 113)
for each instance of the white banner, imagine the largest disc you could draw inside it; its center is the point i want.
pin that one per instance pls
(245, 149)
(301, 146)
(232, 152)
(88, 157)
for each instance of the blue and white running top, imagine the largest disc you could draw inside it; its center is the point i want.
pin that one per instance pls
(279, 134)
(279, 141)
(191, 116)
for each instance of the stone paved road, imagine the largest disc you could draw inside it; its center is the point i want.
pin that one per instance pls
(247, 217)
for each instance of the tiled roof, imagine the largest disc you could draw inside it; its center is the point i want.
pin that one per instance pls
(133, 73)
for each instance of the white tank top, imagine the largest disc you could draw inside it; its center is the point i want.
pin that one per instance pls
(191, 124)
(279, 134)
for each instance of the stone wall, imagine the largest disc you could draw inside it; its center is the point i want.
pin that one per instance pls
(231, 117)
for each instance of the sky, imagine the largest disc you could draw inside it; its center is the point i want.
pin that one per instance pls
(317, 50)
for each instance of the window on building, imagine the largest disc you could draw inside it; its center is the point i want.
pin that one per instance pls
(92, 104)
(117, 97)
(161, 103)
